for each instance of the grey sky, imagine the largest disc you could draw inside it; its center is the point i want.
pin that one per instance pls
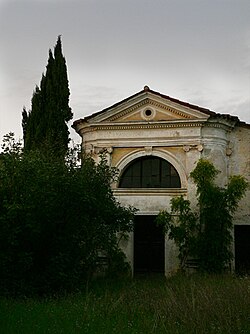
(194, 50)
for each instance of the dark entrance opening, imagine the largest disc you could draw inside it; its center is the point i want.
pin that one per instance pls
(242, 249)
(148, 246)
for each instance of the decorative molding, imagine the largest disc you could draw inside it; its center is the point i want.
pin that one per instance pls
(229, 151)
(154, 125)
(172, 110)
(128, 110)
(187, 148)
(200, 147)
(110, 149)
(149, 102)
(115, 126)
(217, 125)
(100, 149)
(148, 150)
(133, 143)
(149, 191)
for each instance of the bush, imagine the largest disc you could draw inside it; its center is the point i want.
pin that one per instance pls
(205, 235)
(55, 219)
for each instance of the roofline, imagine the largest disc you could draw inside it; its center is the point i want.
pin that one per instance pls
(169, 98)
(103, 110)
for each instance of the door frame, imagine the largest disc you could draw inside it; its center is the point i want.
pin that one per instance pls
(153, 243)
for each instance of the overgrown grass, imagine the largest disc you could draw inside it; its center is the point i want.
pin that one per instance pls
(194, 304)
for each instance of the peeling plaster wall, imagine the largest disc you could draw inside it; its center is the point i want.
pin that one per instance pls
(128, 135)
(239, 164)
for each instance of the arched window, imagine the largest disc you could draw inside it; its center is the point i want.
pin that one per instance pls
(150, 172)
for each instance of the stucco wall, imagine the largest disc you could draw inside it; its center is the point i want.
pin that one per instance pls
(239, 164)
(128, 135)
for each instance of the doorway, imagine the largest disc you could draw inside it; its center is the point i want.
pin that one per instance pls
(242, 249)
(148, 245)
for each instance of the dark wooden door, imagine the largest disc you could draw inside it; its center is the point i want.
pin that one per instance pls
(148, 246)
(242, 249)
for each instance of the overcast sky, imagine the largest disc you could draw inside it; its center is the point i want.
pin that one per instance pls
(195, 50)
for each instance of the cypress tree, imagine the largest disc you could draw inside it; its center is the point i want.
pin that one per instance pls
(45, 125)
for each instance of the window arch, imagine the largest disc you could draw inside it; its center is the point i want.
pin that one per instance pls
(150, 172)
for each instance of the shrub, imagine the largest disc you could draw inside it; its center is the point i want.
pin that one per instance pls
(207, 234)
(55, 218)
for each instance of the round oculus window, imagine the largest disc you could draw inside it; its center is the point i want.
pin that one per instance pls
(148, 112)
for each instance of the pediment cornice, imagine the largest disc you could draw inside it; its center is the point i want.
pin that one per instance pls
(148, 102)
(166, 112)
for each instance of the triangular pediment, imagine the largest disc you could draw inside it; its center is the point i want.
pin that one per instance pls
(148, 109)
(146, 106)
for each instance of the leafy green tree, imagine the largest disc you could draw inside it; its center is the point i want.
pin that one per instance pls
(45, 125)
(56, 219)
(182, 225)
(216, 206)
(207, 234)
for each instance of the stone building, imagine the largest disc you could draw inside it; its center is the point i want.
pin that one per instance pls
(155, 142)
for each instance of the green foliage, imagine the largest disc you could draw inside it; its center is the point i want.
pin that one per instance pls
(235, 191)
(182, 227)
(179, 305)
(216, 206)
(204, 174)
(10, 146)
(55, 220)
(44, 126)
(208, 238)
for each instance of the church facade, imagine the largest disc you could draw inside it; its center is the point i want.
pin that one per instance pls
(155, 142)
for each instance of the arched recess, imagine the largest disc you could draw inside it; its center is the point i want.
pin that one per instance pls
(171, 159)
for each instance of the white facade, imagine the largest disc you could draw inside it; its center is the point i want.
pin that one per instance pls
(151, 124)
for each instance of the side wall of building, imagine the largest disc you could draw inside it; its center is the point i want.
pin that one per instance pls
(219, 140)
(239, 164)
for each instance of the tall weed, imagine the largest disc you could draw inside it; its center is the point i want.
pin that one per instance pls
(181, 304)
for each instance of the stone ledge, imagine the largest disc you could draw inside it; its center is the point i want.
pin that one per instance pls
(150, 191)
